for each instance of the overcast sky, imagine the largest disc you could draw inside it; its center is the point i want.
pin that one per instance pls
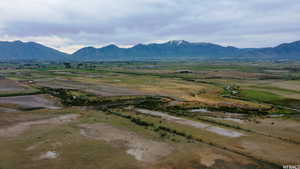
(71, 24)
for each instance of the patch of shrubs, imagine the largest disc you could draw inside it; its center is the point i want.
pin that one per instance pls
(153, 102)
(66, 97)
(162, 130)
(72, 97)
(135, 120)
(240, 110)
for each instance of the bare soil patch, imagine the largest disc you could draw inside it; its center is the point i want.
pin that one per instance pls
(142, 149)
(17, 129)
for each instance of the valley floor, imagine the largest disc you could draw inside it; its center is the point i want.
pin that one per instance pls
(150, 116)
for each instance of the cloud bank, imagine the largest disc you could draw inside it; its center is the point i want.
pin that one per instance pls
(68, 25)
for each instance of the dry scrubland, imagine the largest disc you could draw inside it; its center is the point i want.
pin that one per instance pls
(149, 115)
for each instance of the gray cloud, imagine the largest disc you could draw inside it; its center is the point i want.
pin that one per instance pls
(69, 24)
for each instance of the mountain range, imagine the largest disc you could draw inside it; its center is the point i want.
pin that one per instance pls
(171, 50)
(20, 51)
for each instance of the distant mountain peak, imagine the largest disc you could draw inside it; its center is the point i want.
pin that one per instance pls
(293, 44)
(18, 50)
(206, 44)
(89, 47)
(140, 45)
(17, 42)
(111, 46)
(178, 42)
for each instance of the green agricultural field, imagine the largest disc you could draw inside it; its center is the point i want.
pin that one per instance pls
(261, 96)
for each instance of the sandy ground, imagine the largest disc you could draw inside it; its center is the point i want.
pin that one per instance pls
(207, 127)
(31, 101)
(19, 128)
(142, 149)
(7, 85)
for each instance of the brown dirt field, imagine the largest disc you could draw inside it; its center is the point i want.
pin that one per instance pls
(142, 149)
(30, 101)
(7, 85)
(279, 127)
(172, 88)
(151, 86)
(272, 150)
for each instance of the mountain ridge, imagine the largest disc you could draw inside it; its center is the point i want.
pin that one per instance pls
(174, 49)
(201, 50)
(18, 50)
